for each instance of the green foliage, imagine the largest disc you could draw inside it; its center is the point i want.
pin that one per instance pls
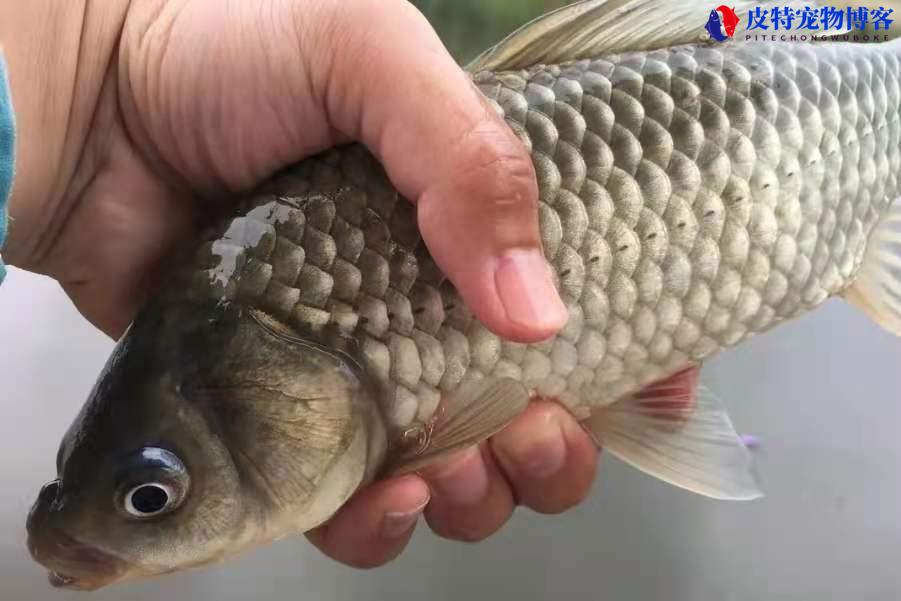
(468, 27)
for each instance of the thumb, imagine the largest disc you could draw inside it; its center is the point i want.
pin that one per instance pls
(391, 83)
(259, 85)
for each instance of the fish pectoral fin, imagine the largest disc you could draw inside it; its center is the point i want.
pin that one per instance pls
(877, 288)
(682, 437)
(472, 413)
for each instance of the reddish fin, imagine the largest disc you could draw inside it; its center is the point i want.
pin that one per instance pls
(671, 400)
(677, 431)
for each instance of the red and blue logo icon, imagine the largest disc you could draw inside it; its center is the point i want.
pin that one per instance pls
(722, 22)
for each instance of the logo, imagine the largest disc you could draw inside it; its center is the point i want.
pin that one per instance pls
(820, 23)
(823, 18)
(722, 22)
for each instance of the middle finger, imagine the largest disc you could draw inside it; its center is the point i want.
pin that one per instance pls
(471, 499)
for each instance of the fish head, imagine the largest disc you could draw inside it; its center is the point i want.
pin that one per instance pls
(206, 434)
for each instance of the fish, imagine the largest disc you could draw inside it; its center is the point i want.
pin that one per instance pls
(715, 27)
(730, 19)
(693, 194)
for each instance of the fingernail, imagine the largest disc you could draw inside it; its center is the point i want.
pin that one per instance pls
(527, 291)
(462, 481)
(537, 453)
(397, 524)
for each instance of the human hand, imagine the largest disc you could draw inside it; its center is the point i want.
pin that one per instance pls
(171, 104)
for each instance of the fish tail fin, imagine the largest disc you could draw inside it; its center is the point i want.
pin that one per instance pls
(877, 288)
(680, 433)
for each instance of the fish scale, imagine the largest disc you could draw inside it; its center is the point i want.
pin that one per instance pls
(689, 197)
(692, 194)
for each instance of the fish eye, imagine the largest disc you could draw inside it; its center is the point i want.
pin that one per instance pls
(152, 482)
(148, 500)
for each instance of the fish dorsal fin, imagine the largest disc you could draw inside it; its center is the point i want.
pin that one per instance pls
(594, 28)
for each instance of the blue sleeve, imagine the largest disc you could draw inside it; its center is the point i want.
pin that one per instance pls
(7, 155)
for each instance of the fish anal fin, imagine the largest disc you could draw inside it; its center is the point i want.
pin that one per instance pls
(472, 413)
(670, 401)
(681, 437)
(877, 288)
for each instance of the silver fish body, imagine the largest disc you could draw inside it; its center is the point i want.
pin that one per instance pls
(690, 197)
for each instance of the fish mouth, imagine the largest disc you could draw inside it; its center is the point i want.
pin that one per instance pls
(72, 583)
(58, 580)
(71, 563)
(74, 565)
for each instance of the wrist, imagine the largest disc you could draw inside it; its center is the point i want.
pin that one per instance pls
(57, 56)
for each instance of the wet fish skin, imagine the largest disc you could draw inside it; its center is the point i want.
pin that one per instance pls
(690, 197)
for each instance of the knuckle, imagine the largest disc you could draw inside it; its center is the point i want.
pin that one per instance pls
(566, 500)
(570, 490)
(356, 555)
(496, 165)
(462, 530)
(368, 562)
(571, 482)
(548, 411)
(334, 541)
(349, 34)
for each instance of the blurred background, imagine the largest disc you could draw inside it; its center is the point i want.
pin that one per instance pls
(470, 26)
(820, 392)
